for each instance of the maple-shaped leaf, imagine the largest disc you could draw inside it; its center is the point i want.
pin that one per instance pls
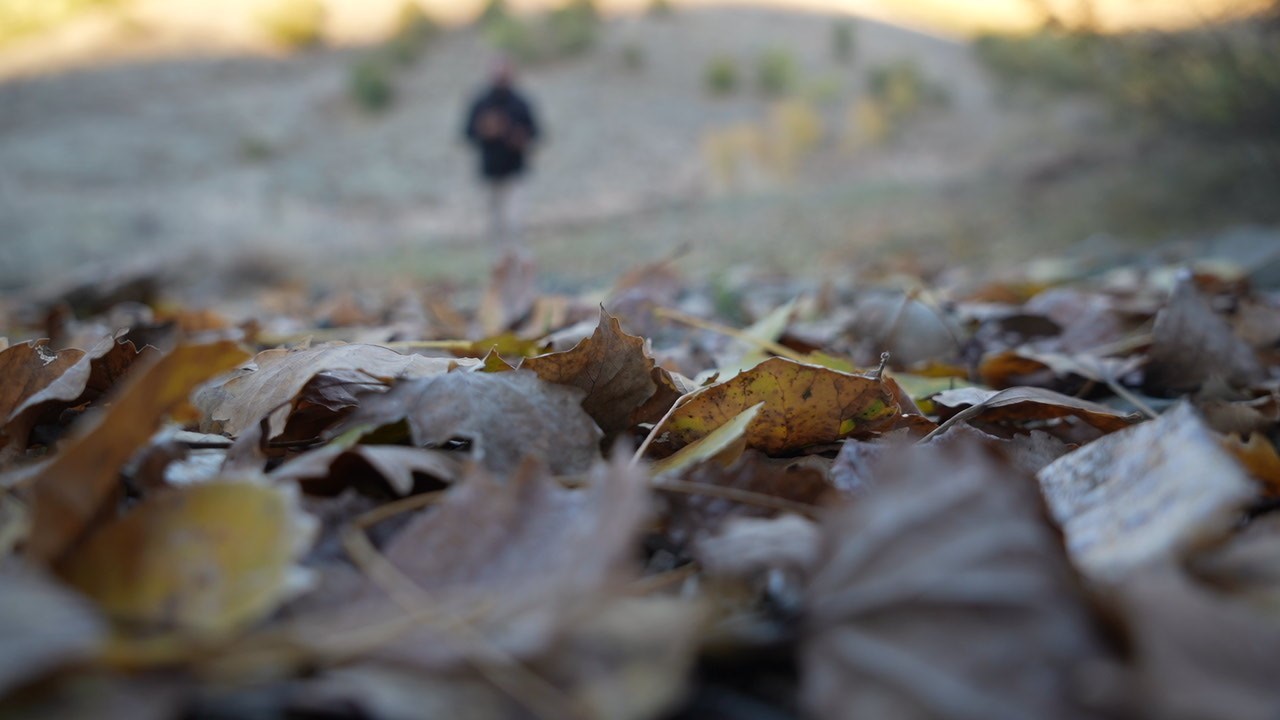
(803, 405)
(611, 367)
(265, 387)
(944, 593)
(207, 558)
(504, 417)
(1145, 493)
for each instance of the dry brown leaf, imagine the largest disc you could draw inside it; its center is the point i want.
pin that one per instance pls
(611, 367)
(746, 546)
(1020, 407)
(328, 469)
(44, 626)
(944, 594)
(1191, 342)
(514, 561)
(671, 386)
(1246, 567)
(266, 386)
(504, 416)
(1145, 493)
(29, 368)
(1197, 656)
(803, 405)
(208, 558)
(72, 489)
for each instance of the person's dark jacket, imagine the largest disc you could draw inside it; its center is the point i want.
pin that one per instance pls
(501, 124)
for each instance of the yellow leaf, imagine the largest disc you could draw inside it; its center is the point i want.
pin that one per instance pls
(803, 405)
(208, 558)
(719, 444)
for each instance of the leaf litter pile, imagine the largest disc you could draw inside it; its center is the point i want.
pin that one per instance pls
(984, 499)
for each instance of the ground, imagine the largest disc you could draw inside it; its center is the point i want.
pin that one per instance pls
(216, 157)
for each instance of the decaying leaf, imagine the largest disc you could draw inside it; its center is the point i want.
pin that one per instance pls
(513, 561)
(803, 405)
(745, 546)
(44, 626)
(1198, 656)
(943, 593)
(208, 558)
(265, 386)
(72, 489)
(28, 369)
(1191, 342)
(329, 468)
(503, 416)
(610, 367)
(1144, 493)
(1024, 407)
(1258, 457)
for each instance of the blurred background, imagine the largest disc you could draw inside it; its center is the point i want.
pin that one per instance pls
(322, 138)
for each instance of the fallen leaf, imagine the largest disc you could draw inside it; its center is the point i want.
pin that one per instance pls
(1258, 457)
(944, 593)
(267, 385)
(1145, 493)
(28, 368)
(515, 561)
(1246, 567)
(671, 386)
(327, 469)
(746, 546)
(803, 405)
(724, 445)
(1191, 342)
(73, 488)
(208, 558)
(44, 625)
(504, 416)
(1197, 656)
(610, 367)
(1018, 408)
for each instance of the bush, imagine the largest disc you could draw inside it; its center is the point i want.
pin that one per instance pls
(493, 11)
(842, 40)
(660, 8)
(371, 83)
(633, 57)
(1221, 82)
(294, 24)
(566, 31)
(414, 31)
(776, 73)
(721, 76)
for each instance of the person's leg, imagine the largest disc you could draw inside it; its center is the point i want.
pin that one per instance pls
(497, 191)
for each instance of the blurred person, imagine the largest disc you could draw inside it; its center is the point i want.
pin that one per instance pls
(502, 127)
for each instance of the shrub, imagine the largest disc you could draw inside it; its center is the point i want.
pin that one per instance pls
(1219, 82)
(633, 57)
(721, 76)
(775, 73)
(493, 11)
(294, 24)
(842, 40)
(566, 31)
(371, 83)
(660, 8)
(414, 31)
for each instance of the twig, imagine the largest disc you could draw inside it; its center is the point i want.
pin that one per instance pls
(715, 327)
(648, 439)
(738, 495)
(540, 697)
(1136, 401)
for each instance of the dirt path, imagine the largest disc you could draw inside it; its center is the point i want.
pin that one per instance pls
(244, 154)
